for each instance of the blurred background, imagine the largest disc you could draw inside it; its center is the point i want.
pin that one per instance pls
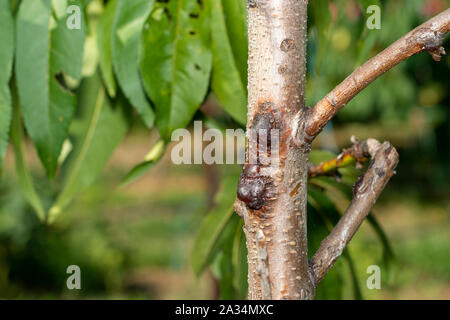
(135, 241)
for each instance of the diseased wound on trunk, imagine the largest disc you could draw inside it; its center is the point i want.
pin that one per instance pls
(256, 182)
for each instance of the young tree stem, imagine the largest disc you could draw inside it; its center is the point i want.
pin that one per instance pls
(276, 232)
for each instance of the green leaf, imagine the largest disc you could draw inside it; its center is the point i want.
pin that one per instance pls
(67, 46)
(23, 174)
(208, 240)
(322, 20)
(318, 156)
(388, 253)
(364, 4)
(235, 14)
(104, 46)
(367, 38)
(6, 60)
(353, 275)
(5, 121)
(104, 126)
(335, 189)
(331, 286)
(59, 7)
(46, 48)
(176, 61)
(222, 267)
(227, 82)
(151, 159)
(126, 34)
(324, 206)
(7, 40)
(240, 264)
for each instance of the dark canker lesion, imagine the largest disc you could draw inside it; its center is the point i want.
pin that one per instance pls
(256, 183)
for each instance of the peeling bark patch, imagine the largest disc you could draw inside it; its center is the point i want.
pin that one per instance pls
(304, 293)
(262, 267)
(252, 4)
(437, 53)
(357, 185)
(287, 45)
(295, 190)
(380, 172)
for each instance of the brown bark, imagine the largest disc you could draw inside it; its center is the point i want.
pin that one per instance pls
(272, 199)
(275, 221)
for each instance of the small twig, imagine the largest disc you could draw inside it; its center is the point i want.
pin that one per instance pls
(357, 152)
(428, 36)
(365, 193)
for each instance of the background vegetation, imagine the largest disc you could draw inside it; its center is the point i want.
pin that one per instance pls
(141, 233)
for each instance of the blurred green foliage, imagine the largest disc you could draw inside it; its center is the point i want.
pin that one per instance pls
(112, 234)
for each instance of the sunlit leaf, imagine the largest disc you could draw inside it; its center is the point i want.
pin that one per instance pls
(59, 7)
(327, 215)
(6, 59)
(331, 285)
(46, 49)
(104, 46)
(368, 37)
(207, 241)
(104, 126)
(23, 173)
(229, 78)
(176, 61)
(322, 21)
(126, 34)
(388, 253)
(151, 159)
(223, 267)
(240, 265)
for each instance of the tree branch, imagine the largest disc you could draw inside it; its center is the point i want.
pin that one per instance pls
(428, 36)
(356, 153)
(365, 193)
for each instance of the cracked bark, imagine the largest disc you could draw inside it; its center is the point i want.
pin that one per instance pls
(272, 199)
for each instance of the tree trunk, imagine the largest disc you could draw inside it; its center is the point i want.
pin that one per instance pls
(275, 218)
